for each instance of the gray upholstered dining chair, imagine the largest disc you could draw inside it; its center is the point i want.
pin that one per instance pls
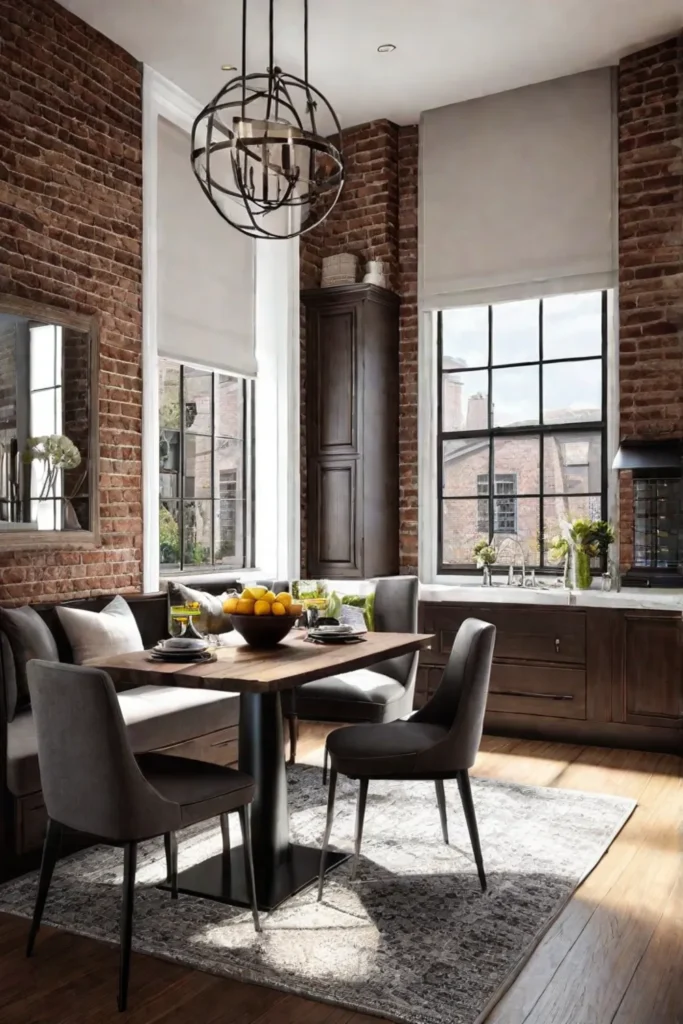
(380, 693)
(440, 741)
(93, 783)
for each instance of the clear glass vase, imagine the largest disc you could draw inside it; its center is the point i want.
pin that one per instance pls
(579, 569)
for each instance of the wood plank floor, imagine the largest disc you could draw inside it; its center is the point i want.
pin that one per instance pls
(613, 956)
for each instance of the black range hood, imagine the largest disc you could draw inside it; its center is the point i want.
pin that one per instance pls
(649, 455)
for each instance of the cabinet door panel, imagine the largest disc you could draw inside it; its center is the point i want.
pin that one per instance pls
(550, 690)
(653, 668)
(333, 390)
(334, 540)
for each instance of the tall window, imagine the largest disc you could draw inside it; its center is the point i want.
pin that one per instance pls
(45, 416)
(522, 425)
(205, 471)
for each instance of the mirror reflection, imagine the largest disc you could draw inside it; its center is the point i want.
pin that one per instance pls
(44, 425)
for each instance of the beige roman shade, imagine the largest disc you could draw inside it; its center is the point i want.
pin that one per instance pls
(517, 193)
(206, 283)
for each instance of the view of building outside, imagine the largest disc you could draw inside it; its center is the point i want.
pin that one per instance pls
(537, 437)
(203, 494)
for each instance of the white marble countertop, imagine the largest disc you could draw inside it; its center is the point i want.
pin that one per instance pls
(635, 597)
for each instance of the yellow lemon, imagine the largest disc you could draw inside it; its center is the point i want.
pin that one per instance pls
(230, 605)
(296, 609)
(269, 596)
(262, 608)
(245, 606)
(254, 593)
(277, 608)
(284, 598)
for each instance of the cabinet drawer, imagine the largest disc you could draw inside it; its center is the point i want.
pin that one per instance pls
(537, 634)
(549, 690)
(444, 620)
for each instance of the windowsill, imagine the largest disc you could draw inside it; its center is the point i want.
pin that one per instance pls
(211, 574)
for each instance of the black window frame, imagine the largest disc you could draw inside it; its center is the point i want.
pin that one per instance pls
(247, 554)
(540, 430)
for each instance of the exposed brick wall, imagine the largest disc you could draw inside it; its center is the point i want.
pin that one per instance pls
(650, 253)
(380, 187)
(71, 236)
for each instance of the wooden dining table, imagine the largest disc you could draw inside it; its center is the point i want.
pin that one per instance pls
(259, 676)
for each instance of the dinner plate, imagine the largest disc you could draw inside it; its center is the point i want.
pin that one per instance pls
(189, 657)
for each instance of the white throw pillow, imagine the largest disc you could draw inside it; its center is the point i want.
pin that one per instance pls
(97, 635)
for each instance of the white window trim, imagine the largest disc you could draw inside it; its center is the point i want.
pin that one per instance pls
(276, 441)
(428, 383)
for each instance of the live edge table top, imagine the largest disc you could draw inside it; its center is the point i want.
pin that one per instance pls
(239, 668)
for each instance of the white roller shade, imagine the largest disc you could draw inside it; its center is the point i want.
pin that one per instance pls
(206, 283)
(517, 193)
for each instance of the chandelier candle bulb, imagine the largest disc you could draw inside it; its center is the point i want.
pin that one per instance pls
(257, 151)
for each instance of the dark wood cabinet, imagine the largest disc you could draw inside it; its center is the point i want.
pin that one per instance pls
(352, 431)
(608, 676)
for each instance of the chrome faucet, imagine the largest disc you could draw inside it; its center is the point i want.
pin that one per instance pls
(518, 546)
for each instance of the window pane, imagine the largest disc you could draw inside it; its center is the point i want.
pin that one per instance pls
(515, 396)
(197, 467)
(465, 400)
(517, 528)
(169, 451)
(43, 411)
(462, 522)
(169, 394)
(463, 463)
(465, 337)
(197, 532)
(561, 510)
(515, 332)
(572, 325)
(572, 392)
(519, 458)
(572, 463)
(229, 532)
(42, 357)
(229, 406)
(198, 403)
(169, 534)
(229, 469)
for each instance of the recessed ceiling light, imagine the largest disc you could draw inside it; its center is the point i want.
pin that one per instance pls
(386, 48)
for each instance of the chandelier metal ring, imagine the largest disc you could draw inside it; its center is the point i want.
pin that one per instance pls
(259, 156)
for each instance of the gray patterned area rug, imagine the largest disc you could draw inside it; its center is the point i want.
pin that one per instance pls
(413, 939)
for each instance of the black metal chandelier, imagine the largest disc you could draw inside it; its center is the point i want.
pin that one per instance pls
(257, 152)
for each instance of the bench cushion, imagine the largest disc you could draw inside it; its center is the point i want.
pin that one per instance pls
(155, 716)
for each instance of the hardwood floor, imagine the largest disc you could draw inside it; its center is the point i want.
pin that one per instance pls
(613, 956)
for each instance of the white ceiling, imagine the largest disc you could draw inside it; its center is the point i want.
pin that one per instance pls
(446, 50)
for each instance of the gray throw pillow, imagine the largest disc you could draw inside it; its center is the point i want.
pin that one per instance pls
(29, 638)
(95, 635)
(211, 618)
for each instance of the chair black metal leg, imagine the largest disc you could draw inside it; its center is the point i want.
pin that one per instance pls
(441, 800)
(47, 866)
(171, 847)
(326, 761)
(293, 724)
(360, 818)
(225, 832)
(328, 829)
(245, 823)
(471, 819)
(129, 866)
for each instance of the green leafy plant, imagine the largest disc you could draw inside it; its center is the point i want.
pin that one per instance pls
(484, 553)
(558, 549)
(169, 537)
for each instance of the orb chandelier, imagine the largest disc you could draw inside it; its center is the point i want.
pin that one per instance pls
(257, 151)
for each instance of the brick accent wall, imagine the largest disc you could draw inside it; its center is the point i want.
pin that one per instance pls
(650, 109)
(71, 236)
(376, 218)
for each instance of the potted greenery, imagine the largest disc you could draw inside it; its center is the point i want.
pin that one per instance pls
(485, 556)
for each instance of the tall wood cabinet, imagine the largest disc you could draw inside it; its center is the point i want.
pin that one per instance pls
(352, 431)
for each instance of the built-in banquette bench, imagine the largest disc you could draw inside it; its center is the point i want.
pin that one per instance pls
(189, 722)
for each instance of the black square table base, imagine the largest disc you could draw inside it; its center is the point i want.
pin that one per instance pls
(222, 879)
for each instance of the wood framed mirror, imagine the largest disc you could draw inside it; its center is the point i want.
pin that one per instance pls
(49, 419)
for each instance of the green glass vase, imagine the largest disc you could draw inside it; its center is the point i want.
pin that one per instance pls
(579, 569)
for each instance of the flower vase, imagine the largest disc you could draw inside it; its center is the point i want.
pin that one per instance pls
(579, 569)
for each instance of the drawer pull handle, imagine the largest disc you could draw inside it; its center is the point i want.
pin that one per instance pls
(528, 693)
(557, 645)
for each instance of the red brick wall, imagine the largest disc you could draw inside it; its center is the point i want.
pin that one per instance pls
(376, 218)
(650, 252)
(71, 236)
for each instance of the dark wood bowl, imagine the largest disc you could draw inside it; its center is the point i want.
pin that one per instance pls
(263, 631)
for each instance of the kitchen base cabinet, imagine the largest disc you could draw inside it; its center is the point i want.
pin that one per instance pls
(604, 676)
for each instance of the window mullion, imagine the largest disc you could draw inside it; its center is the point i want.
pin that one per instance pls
(492, 513)
(212, 486)
(181, 473)
(541, 443)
